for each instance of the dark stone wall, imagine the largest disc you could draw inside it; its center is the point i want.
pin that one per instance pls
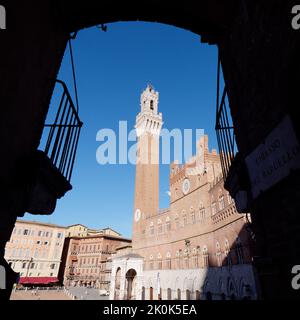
(259, 53)
(31, 50)
(260, 58)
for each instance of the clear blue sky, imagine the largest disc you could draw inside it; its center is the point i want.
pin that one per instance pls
(113, 68)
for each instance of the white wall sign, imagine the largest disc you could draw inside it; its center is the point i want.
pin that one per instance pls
(274, 159)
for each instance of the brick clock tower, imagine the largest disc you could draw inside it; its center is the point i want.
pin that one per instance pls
(148, 126)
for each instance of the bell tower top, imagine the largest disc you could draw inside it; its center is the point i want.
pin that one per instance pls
(149, 120)
(149, 100)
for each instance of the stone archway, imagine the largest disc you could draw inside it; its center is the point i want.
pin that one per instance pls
(117, 284)
(231, 290)
(178, 294)
(59, 19)
(130, 287)
(143, 293)
(48, 51)
(151, 293)
(169, 294)
(187, 294)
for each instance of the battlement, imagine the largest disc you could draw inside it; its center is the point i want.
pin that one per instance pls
(197, 165)
(179, 172)
(216, 181)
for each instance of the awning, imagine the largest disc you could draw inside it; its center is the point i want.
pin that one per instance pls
(38, 280)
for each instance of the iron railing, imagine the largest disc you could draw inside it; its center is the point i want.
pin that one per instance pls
(224, 127)
(62, 142)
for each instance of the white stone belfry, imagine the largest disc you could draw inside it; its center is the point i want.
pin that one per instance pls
(149, 120)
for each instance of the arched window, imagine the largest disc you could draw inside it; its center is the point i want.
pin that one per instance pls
(151, 265)
(168, 224)
(177, 224)
(159, 227)
(213, 208)
(221, 202)
(195, 258)
(239, 251)
(205, 256)
(151, 229)
(193, 216)
(218, 254)
(176, 191)
(152, 105)
(178, 264)
(186, 261)
(184, 218)
(159, 262)
(168, 261)
(228, 254)
(201, 213)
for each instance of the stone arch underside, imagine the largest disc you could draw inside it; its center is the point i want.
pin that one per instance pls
(206, 17)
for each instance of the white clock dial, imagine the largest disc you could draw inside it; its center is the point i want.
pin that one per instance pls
(186, 186)
(137, 215)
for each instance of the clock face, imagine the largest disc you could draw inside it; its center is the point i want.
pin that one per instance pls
(186, 186)
(137, 215)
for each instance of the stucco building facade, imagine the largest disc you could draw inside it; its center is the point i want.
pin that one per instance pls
(34, 251)
(198, 248)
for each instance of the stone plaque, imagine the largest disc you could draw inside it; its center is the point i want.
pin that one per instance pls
(274, 159)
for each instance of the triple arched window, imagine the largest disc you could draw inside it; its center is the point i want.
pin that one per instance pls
(205, 256)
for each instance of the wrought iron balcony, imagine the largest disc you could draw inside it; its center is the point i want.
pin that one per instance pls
(49, 169)
(235, 175)
(224, 128)
(62, 142)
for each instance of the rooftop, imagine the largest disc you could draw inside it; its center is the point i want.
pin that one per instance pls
(40, 224)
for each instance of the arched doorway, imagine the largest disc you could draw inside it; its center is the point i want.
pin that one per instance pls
(143, 293)
(130, 291)
(197, 295)
(231, 290)
(178, 294)
(169, 294)
(188, 294)
(160, 294)
(208, 295)
(117, 284)
(151, 293)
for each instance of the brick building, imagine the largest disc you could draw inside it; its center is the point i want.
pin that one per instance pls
(86, 259)
(199, 247)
